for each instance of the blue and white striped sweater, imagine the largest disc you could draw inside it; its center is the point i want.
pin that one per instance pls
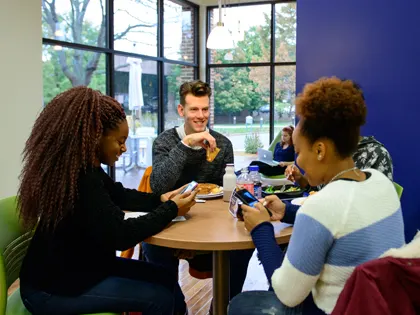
(340, 227)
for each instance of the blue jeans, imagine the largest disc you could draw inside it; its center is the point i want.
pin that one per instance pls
(267, 302)
(135, 286)
(239, 260)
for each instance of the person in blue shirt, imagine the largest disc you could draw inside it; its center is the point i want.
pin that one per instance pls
(284, 153)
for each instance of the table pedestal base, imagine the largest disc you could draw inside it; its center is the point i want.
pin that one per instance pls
(220, 282)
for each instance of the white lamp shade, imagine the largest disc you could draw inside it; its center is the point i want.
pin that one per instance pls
(220, 38)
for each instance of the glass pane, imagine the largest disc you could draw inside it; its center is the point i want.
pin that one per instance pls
(284, 103)
(240, 102)
(286, 32)
(179, 26)
(64, 68)
(175, 75)
(135, 26)
(81, 22)
(250, 29)
(136, 87)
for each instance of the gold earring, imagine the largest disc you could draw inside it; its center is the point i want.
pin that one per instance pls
(319, 157)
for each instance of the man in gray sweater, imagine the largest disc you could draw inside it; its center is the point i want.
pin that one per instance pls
(179, 156)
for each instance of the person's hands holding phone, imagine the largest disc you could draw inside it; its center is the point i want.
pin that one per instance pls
(254, 216)
(276, 206)
(170, 194)
(184, 202)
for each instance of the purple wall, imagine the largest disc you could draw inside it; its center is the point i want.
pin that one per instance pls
(377, 44)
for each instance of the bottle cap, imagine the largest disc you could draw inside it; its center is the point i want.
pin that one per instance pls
(254, 168)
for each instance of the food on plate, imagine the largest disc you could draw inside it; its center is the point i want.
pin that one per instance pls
(271, 190)
(211, 155)
(205, 189)
(292, 189)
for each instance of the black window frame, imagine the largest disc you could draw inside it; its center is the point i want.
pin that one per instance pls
(110, 54)
(272, 63)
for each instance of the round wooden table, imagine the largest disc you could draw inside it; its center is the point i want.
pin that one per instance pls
(210, 226)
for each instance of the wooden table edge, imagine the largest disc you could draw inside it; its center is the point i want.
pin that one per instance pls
(283, 238)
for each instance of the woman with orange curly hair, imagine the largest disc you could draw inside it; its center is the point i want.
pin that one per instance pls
(355, 218)
(71, 266)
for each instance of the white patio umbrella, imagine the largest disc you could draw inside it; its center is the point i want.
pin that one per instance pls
(135, 91)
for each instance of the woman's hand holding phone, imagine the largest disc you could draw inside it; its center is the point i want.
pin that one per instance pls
(170, 194)
(276, 206)
(184, 202)
(254, 216)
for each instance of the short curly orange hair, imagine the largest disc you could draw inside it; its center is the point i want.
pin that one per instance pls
(334, 109)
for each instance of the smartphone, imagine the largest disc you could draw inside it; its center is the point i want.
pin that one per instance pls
(190, 187)
(248, 199)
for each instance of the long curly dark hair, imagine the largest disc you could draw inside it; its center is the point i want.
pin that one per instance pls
(64, 141)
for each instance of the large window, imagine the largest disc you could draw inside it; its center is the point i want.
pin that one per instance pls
(138, 51)
(254, 83)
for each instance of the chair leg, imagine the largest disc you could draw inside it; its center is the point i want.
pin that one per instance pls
(141, 256)
(130, 252)
(127, 253)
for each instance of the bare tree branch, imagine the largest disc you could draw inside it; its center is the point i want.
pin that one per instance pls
(65, 68)
(92, 64)
(129, 14)
(129, 28)
(73, 24)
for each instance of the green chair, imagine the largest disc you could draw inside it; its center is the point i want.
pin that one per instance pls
(14, 242)
(276, 179)
(399, 189)
(273, 144)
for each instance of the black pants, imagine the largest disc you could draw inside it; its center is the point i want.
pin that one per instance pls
(135, 286)
(269, 170)
(239, 260)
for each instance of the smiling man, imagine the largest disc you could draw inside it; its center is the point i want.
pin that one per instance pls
(179, 157)
(179, 154)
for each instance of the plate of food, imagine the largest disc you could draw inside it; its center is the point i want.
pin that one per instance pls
(284, 191)
(209, 191)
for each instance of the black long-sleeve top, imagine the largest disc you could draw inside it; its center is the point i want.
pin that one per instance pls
(80, 252)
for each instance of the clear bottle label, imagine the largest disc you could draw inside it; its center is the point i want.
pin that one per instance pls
(258, 191)
(249, 187)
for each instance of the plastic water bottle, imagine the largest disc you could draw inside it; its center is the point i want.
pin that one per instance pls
(256, 178)
(229, 182)
(245, 181)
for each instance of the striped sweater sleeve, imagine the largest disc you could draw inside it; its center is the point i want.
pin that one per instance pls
(304, 261)
(269, 252)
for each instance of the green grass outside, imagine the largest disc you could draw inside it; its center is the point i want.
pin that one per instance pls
(242, 129)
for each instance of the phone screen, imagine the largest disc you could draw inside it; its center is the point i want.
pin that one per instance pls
(191, 186)
(248, 198)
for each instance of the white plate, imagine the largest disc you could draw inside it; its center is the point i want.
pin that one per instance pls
(210, 196)
(298, 201)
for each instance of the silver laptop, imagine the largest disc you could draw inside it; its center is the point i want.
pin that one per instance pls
(266, 156)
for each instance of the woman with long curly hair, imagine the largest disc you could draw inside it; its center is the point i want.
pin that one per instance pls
(71, 265)
(356, 217)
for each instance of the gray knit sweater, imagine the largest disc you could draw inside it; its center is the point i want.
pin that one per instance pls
(175, 164)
